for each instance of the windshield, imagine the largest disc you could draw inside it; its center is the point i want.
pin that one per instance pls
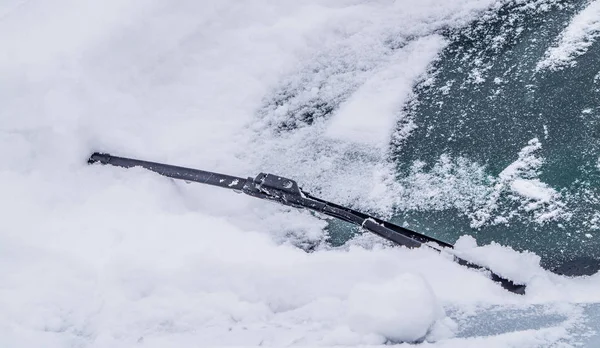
(505, 129)
(472, 121)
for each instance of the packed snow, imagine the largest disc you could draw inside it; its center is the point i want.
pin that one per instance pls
(97, 256)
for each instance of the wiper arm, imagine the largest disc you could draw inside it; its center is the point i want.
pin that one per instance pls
(287, 192)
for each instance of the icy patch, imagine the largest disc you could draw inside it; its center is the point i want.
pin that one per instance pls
(575, 39)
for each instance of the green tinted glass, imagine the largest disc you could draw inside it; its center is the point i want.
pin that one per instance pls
(506, 138)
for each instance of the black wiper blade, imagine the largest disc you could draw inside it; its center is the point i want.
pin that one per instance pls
(287, 192)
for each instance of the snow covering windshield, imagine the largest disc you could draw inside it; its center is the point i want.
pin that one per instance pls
(469, 120)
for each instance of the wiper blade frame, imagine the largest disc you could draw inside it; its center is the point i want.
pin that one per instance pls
(287, 192)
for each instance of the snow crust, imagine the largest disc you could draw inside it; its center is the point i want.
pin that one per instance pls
(576, 38)
(94, 256)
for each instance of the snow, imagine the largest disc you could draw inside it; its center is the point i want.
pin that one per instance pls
(369, 116)
(233, 183)
(575, 39)
(461, 184)
(521, 177)
(533, 189)
(97, 256)
(402, 309)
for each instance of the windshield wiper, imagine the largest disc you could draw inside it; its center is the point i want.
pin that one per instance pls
(287, 192)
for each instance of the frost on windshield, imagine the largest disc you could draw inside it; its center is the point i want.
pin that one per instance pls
(507, 145)
(575, 39)
(519, 183)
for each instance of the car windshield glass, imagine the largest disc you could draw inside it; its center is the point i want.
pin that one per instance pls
(505, 130)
